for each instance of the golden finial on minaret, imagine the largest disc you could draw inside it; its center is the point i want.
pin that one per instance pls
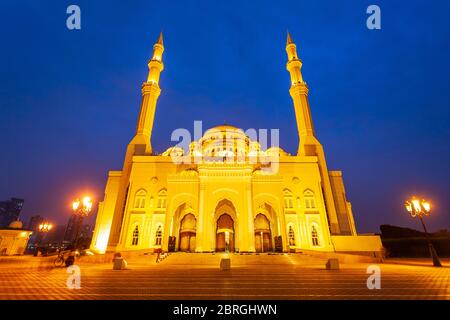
(160, 39)
(289, 39)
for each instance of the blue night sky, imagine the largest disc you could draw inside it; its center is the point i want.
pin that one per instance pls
(380, 100)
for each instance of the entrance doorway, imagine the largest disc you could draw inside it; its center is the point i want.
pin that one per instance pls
(263, 234)
(187, 233)
(225, 234)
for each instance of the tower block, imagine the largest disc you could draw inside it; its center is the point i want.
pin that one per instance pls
(141, 143)
(308, 143)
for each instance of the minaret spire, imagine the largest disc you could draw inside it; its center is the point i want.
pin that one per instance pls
(299, 94)
(150, 94)
(289, 39)
(294, 64)
(160, 39)
(308, 144)
(155, 65)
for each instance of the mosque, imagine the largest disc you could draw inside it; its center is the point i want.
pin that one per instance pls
(225, 192)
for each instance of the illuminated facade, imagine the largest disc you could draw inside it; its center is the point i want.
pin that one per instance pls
(14, 239)
(225, 193)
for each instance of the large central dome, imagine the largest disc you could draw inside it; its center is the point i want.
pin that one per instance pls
(224, 140)
(222, 130)
(224, 127)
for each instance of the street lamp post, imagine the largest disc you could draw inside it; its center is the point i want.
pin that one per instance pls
(420, 208)
(43, 229)
(81, 208)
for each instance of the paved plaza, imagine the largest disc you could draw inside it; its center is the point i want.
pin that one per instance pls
(197, 276)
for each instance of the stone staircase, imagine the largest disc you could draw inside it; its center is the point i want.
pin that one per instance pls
(241, 260)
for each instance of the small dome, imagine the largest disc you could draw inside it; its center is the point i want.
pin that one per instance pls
(174, 151)
(189, 173)
(16, 224)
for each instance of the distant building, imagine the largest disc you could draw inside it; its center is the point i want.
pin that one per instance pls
(56, 235)
(406, 242)
(34, 222)
(10, 211)
(71, 229)
(14, 239)
(33, 225)
(52, 239)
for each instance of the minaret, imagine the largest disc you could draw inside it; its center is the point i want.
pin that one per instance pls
(308, 143)
(141, 142)
(299, 94)
(150, 94)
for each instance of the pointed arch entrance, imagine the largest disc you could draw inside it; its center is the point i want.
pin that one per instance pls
(263, 234)
(188, 233)
(225, 233)
(225, 226)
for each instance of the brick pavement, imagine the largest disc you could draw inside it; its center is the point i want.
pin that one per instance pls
(184, 276)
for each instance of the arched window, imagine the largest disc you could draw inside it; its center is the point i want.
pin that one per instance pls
(288, 199)
(158, 236)
(310, 201)
(151, 201)
(162, 199)
(291, 236)
(135, 240)
(314, 236)
(139, 199)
